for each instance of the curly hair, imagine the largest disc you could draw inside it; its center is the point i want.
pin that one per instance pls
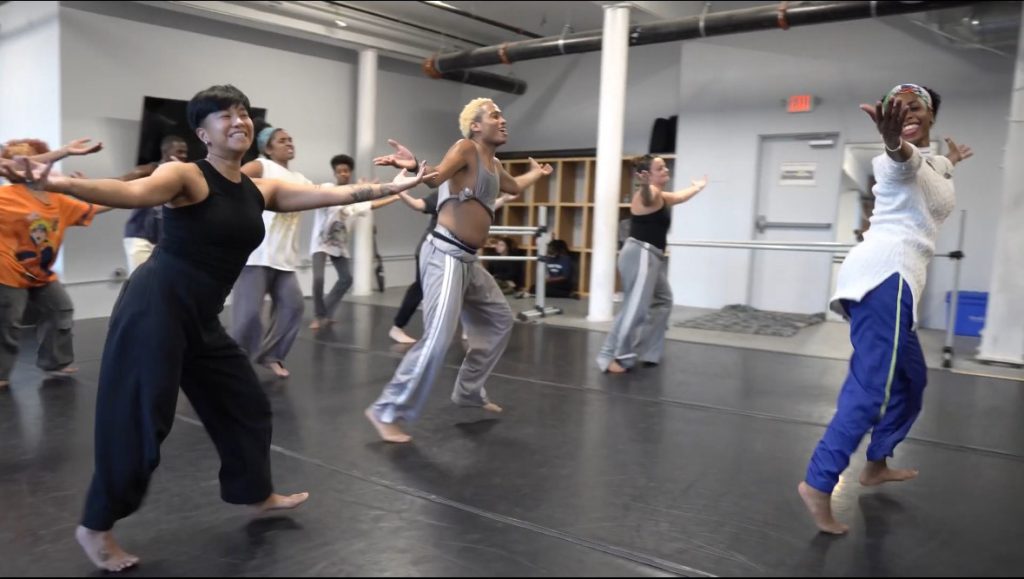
(23, 147)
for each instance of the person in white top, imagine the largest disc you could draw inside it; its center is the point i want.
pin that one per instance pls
(271, 267)
(330, 239)
(879, 286)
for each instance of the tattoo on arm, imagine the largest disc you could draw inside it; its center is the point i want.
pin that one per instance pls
(363, 193)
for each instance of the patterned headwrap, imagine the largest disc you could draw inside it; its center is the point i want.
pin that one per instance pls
(911, 88)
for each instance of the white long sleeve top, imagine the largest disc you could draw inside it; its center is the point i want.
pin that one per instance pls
(912, 199)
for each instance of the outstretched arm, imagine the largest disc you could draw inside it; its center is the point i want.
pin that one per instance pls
(417, 204)
(74, 148)
(957, 153)
(516, 185)
(677, 197)
(286, 197)
(505, 198)
(164, 185)
(457, 157)
(889, 123)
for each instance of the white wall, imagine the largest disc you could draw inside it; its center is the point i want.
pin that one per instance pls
(112, 57)
(559, 109)
(30, 69)
(731, 93)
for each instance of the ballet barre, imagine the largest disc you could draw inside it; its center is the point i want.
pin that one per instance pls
(841, 249)
(543, 236)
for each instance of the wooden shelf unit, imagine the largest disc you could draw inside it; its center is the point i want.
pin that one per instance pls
(567, 194)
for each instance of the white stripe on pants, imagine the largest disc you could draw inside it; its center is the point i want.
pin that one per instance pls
(454, 285)
(638, 332)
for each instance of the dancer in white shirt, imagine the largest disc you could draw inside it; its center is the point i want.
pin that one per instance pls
(271, 268)
(879, 286)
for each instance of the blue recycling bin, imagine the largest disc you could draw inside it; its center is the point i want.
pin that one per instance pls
(970, 313)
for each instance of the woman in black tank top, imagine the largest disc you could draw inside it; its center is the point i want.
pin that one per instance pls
(164, 330)
(638, 332)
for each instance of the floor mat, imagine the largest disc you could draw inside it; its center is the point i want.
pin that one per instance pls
(747, 320)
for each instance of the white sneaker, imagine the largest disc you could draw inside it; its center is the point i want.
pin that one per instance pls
(399, 335)
(618, 297)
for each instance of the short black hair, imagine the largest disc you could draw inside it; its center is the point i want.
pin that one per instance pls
(559, 247)
(342, 160)
(169, 140)
(217, 98)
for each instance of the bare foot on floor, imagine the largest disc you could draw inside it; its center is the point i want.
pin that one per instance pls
(492, 407)
(103, 551)
(4, 384)
(616, 368)
(876, 473)
(281, 502)
(388, 432)
(315, 324)
(66, 371)
(820, 506)
(279, 370)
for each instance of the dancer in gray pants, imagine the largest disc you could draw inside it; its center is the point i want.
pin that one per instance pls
(454, 283)
(638, 332)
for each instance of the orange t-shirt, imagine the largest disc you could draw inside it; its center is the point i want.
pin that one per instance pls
(31, 232)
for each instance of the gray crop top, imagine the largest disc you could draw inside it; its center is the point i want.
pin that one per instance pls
(485, 190)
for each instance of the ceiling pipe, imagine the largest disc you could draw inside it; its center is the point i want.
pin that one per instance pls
(784, 16)
(486, 80)
(488, 21)
(475, 77)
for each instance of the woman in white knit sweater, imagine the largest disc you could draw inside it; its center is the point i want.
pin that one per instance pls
(879, 286)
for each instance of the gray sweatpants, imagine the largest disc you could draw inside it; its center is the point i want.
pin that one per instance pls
(56, 315)
(638, 332)
(454, 285)
(285, 314)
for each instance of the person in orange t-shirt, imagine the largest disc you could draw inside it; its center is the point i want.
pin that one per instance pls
(32, 226)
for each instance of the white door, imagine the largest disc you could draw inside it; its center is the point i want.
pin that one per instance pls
(798, 192)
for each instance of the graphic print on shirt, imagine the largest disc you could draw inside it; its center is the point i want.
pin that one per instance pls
(38, 252)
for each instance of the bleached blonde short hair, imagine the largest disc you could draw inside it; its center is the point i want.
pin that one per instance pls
(471, 114)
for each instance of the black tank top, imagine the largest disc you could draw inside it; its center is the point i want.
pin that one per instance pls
(218, 234)
(653, 227)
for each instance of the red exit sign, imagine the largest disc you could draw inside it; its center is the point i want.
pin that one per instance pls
(800, 103)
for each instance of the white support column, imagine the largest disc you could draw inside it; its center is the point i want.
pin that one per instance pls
(1003, 337)
(614, 58)
(366, 136)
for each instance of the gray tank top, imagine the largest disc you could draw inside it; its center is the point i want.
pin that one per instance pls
(485, 190)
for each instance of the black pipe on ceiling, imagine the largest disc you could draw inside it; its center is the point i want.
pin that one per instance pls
(785, 15)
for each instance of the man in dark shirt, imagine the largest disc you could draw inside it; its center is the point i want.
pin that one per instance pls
(142, 230)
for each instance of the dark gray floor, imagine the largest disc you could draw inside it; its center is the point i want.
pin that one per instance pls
(688, 468)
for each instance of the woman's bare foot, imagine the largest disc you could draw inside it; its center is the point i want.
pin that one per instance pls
(616, 368)
(281, 502)
(398, 334)
(492, 407)
(315, 324)
(103, 551)
(878, 472)
(65, 371)
(820, 506)
(279, 370)
(388, 432)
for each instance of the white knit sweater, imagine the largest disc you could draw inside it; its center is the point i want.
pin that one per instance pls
(912, 199)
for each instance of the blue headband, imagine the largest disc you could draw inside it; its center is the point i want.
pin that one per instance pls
(264, 137)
